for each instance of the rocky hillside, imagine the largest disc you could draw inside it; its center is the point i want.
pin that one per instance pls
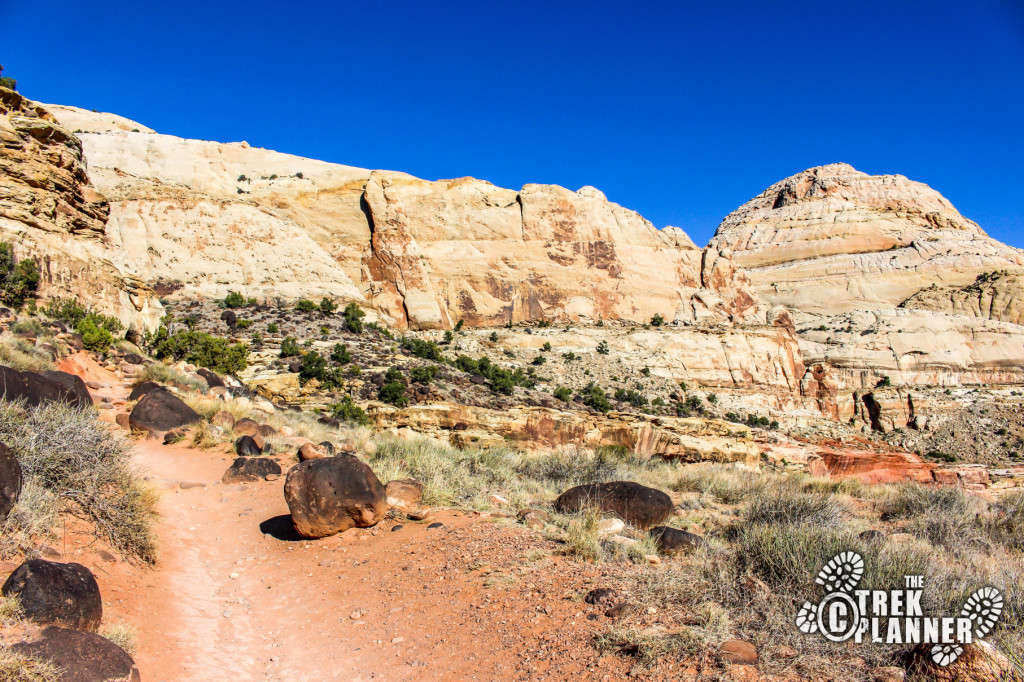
(191, 218)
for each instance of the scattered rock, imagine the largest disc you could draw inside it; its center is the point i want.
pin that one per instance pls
(623, 610)
(310, 451)
(397, 527)
(142, 389)
(247, 427)
(434, 525)
(327, 446)
(247, 446)
(417, 514)
(175, 436)
(53, 593)
(673, 541)
(223, 419)
(160, 411)
(738, 652)
(331, 495)
(606, 527)
(212, 380)
(84, 656)
(10, 480)
(266, 430)
(636, 504)
(404, 493)
(601, 595)
(534, 518)
(248, 469)
(123, 420)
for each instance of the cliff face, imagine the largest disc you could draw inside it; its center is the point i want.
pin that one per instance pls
(194, 218)
(833, 240)
(51, 212)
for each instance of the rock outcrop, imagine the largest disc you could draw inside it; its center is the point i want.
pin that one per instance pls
(833, 240)
(53, 214)
(194, 218)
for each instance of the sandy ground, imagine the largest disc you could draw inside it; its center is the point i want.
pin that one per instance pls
(235, 595)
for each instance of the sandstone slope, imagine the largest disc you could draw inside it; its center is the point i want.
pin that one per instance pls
(195, 218)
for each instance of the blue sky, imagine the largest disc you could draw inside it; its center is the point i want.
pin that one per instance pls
(679, 110)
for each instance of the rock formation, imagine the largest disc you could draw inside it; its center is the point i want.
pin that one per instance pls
(193, 218)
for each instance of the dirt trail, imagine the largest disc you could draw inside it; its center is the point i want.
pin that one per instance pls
(236, 596)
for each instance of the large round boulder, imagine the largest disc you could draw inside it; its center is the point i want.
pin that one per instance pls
(36, 389)
(247, 469)
(143, 388)
(247, 427)
(10, 481)
(52, 593)
(82, 656)
(247, 446)
(212, 380)
(161, 410)
(330, 495)
(636, 504)
(73, 384)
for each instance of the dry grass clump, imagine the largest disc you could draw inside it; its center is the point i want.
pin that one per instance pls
(123, 635)
(165, 374)
(19, 354)
(72, 461)
(17, 667)
(784, 501)
(650, 645)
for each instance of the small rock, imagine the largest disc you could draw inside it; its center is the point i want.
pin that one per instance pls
(601, 595)
(248, 446)
(404, 493)
(310, 451)
(607, 527)
(738, 652)
(622, 610)
(188, 485)
(436, 524)
(247, 469)
(223, 419)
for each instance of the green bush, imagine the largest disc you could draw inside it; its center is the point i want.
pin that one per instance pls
(546, 347)
(340, 354)
(493, 337)
(272, 328)
(393, 393)
(354, 318)
(200, 348)
(243, 324)
(563, 394)
(347, 411)
(634, 398)
(66, 310)
(594, 397)
(7, 81)
(327, 306)
(234, 300)
(657, 320)
(424, 375)
(289, 347)
(18, 279)
(314, 366)
(393, 374)
(428, 350)
(602, 348)
(94, 337)
(305, 306)
(448, 336)
(712, 398)
(539, 360)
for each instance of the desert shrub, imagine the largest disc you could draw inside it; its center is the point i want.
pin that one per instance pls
(162, 374)
(630, 396)
(19, 667)
(910, 500)
(19, 354)
(354, 318)
(1005, 521)
(314, 366)
(87, 470)
(19, 279)
(650, 646)
(94, 338)
(272, 328)
(304, 305)
(243, 323)
(290, 347)
(493, 337)
(201, 349)
(347, 411)
(594, 397)
(327, 306)
(428, 350)
(726, 484)
(780, 502)
(546, 347)
(563, 393)
(712, 398)
(657, 320)
(234, 300)
(340, 354)
(424, 375)
(66, 310)
(97, 330)
(393, 392)
(7, 81)
(122, 634)
(569, 356)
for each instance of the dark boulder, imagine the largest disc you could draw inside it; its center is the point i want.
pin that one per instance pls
(330, 495)
(330, 421)
(636, 504)
(246, 446)
(294, 366)
(37, 389)
(673, 541)
(10, 481)
(142, 389)
(327, 446)
(161, 411)
(212, 380)
(52, 593)
(229, 317)
(248, 469)
(266, 430)
(73, 384)
(601, 595)
(83, 656)
(134, 359)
